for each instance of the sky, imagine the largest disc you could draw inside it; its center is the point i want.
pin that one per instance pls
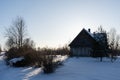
(54, 23)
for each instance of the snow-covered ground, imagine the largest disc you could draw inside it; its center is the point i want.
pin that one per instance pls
(73, 69)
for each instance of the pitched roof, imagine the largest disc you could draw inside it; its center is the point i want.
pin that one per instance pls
(84, 38)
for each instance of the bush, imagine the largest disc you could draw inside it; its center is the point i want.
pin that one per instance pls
(48, 66)
(12, 53)
(42, 58)
(29, 54)
(32, 58)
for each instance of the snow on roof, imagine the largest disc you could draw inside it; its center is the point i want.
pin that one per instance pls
(89, 33)
(96, 36)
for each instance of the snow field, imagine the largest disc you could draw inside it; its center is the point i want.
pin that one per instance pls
(73, 69)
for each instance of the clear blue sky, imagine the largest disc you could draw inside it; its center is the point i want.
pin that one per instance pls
(56, 22)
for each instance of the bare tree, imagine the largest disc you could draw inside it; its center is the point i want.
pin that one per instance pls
(111, 38)
(101, 30)
(16, 33)
(117, 42)
(113, 41)
(28, 43)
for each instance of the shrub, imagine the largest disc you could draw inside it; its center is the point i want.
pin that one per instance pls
(29, 54)
(48, 64)
(12, 53)
(42, 58)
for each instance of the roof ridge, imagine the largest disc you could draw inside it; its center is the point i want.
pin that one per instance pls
(89, 33)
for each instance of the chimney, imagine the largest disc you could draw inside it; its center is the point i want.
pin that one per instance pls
(89, 30)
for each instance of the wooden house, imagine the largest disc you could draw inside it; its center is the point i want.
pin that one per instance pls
(87, 44)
